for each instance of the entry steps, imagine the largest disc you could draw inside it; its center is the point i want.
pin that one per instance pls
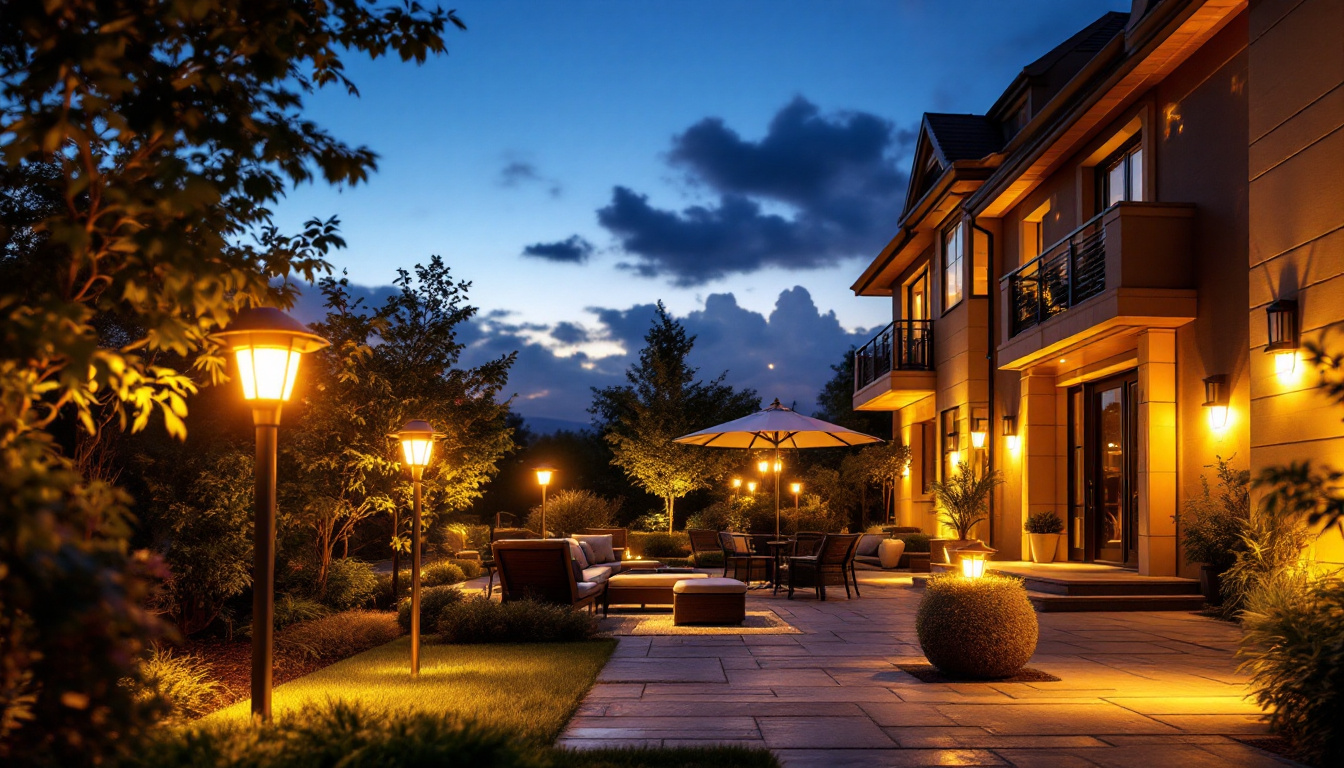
(1093, 590)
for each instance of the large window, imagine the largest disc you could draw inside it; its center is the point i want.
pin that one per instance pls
(951, 423)
(917, 297)
(953, 275)
(928, 456)
(1122, 176)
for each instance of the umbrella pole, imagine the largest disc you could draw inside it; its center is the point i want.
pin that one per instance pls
(777, 469)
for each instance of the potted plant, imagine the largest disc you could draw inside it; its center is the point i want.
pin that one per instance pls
(1212, 526)
(1043, 529)
(963, 501)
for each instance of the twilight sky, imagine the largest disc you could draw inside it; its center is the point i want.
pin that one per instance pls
(740, 160)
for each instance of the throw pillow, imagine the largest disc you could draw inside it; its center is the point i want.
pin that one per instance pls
(578, 554)
(868, 545)
(588, 554)
(603, 551)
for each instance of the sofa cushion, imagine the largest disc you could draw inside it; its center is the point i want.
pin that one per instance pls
(714, 586)
(587, 588)
(603, 550)
(576, 552)
(868, 544)
(638, 579)
(588, 552)
(597, 573)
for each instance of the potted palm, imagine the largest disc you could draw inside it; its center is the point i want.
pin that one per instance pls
(1043, 529)
(963, 501)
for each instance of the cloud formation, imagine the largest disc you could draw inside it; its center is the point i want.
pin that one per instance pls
(518, 173)
(573, 250)
(838, 175)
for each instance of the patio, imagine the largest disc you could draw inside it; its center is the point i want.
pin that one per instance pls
(1136, 689)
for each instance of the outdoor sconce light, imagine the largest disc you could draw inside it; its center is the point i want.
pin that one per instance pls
(417, 443)
(1283, 336)
(268, 345)
(1010, 433)
(979, 433)
(1215, 399)
(544, 479)
(973, 559)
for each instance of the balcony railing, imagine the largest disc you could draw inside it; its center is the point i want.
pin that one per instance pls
(1066, 274)
(905, 345)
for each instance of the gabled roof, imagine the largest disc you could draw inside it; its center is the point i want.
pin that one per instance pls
(1061, 63)
(962, 137)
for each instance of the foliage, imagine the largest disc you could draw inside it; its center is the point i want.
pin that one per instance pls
(470, 568)
(433, 601)
(383, 599)
(290, 610)
(721, 516)
(832, 490)
(143, 149)
(570, 510)
(351, 583)
(979, 629)
(340, 634)
(663, 400)
(482, 620)
(652, 521)
(1212, 527)
(1294, 649)
(835, 402)
(916, 542)
(963, 499)
(881, 465)
(183, 683)
(441, 573)
(1272, 541)
(657, 546)
(1043, 521)
(460, 536)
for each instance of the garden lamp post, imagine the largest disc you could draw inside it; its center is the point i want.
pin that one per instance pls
(544, 479)
(796, 488)
(417, 443)
(737, 486)
(267, 345)
(765, 466)
(751, 487)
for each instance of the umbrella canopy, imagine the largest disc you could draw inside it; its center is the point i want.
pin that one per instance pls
(777, 427)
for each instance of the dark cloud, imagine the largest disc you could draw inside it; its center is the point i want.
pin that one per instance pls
(517, 173)
(837, 174)
(574, 250)
(569, 333)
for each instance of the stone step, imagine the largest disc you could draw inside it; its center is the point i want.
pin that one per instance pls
(1091, 585)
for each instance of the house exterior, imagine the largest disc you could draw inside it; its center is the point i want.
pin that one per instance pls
(1081, 275)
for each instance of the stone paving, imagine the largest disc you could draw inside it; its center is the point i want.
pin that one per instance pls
(1136, 689)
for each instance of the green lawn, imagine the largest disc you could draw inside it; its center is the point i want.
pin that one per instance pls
(530, 689)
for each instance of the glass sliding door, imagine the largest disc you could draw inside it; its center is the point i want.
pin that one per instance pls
(1103, 469)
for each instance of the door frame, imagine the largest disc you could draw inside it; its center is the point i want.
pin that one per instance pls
(1091, 468)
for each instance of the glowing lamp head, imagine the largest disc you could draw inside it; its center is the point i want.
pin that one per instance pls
(905, 470)
(417, 443)
(763, 466)
(737, 482)
(751, 487)
(778, 466)
(1010, 434)
(796, 488)
(268, 345)
(1216, 401)
(544, 475)
(973, 559)
(1285, 364)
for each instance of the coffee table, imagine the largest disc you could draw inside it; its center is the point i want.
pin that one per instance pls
(643, 588)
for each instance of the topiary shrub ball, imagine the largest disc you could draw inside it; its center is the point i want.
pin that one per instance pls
(977, 629)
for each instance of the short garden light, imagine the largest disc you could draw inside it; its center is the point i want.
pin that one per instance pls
(544, 479)
(751, 487)
(796, 488)
(973, 559)
(417, 443)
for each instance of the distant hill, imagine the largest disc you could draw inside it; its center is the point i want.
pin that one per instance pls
(547, 426)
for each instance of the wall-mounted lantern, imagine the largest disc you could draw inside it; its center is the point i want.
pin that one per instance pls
(1283, 336)
(1010, 433)
(979, 432)
(1216, 400)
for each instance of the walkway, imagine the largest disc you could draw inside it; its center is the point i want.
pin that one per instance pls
(1136, 689)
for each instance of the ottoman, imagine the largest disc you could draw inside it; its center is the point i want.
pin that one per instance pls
(643, 588)
(709, 601)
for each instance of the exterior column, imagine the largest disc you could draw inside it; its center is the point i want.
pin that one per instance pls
(1157, 452)
(1040, 454)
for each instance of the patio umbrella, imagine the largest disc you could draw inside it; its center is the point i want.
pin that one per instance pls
(777, 427)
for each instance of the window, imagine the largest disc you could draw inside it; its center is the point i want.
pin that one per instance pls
(916, 297)
(951, 423)
(928, 456)
(1121, 176)
(979, 263)
(1033, 233)
(953, 279)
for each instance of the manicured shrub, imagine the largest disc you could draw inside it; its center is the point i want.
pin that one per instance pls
(915, 542)
(660, 545)
(1044, 521)
(183, 683)
(479, 620)
(340, 634)
(1293, 647)
(350, 584)
(978, 629)
(470, 568)
(720, 516)
(383, 599)
(433, 600)
(569, 511)
(441, 573)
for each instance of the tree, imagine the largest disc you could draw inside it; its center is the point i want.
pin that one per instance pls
(663, 400)
(883, 465)
(143, 147)
(835, 403)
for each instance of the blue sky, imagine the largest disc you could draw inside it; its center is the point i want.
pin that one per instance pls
(739, 160)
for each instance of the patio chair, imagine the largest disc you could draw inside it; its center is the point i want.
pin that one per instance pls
(834, 558)
(807, 543)
(543, 570)
(738, 556)
(703, 542)
(619, 537)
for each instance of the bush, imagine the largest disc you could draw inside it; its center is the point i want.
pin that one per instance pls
(652, 521)
(433, 600)
(1272, 543)
(441, 573)
(470, 568)
(339, 635)
(184, 684)
(351, 583)
(1294, 650)
(915, 542)
(1043, 522)
(1212, 527)
(383, 599)
(978, 629)
(481, 620)
(569, 511)
(719, 516)
(660, 545)
(291, 610)
(963, 499)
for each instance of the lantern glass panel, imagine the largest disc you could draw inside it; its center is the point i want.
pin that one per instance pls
(267, 372)
(417, 450)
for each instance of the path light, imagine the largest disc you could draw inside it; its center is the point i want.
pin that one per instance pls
(544, 479)
(796, 488)
(1215, 399)
(1283, 337)
(751, 487)
(973, 558)
(737, 486)
(267, 345)
(417, 444)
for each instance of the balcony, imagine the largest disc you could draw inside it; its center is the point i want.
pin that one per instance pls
(1128, 268)
(895, 368)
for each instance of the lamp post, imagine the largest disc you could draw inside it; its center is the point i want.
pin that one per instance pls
(417, 443)
(751, 487)
(267, 345)
(737, 486)
(544, 479)
(797, 488)
(764, 466)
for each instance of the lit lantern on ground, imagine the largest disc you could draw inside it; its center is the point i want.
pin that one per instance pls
(973, 559)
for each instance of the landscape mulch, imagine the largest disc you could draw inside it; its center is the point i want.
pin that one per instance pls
(230, 664)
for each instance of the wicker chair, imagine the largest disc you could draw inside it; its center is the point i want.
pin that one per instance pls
(543, 570)
(807, 543)
(703, 542)
(835, 558)
(737, 555)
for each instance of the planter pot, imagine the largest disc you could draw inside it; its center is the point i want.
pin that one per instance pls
(1043, 546)
(1211, 584)
(889, 552)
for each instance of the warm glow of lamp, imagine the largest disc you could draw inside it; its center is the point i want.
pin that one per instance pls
(751, 487)
(1283, 337)
(954, 458)
(417, 443)
(763, 466)
(737, 482)
(795, 488)
(905, 470)
(544, 475)
(1215, 399)
(268, 345)
(979, 433)
(1285, 365)
(973, 559)
(1010, 434)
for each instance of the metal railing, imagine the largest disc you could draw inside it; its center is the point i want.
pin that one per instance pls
(1065, 275)
(905, 345)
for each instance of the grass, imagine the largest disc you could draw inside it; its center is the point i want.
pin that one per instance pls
(528, 689)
